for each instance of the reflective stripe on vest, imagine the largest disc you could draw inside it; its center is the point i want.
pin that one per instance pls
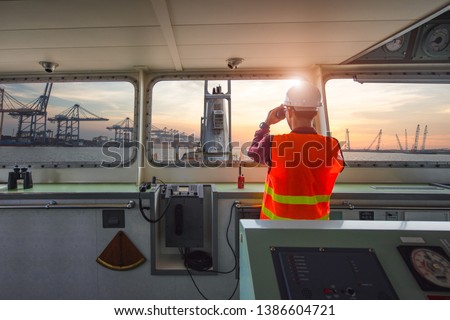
(295, 199)
(272, 216)
(300, 207)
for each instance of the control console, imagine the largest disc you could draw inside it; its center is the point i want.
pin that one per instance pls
(181, 190)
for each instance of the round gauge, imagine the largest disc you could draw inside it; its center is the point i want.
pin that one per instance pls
(437, 40)
(395, 45)
(432, 266)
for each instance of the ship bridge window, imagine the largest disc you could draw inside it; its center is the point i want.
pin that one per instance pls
(210, 122)
(391, 124)
(67, 123)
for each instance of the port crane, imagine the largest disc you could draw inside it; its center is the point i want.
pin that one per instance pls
(32, 116)
(406, 139)
(123, 130)
(378, 139)
(169, 135)
(68, 123)
(425, 133)
(399, 143)
(416, 140)
(347, 139)
(163, 135)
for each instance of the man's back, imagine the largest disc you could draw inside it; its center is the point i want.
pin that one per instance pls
(302, 176)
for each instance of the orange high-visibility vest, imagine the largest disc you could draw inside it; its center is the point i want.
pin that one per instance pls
(302, 176)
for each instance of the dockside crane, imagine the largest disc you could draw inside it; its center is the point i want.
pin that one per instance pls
(377, 138)
(68, 123)
(165, 134)
(347, 139)
(32, 116)
(416, 139)
(399, 143)
(123, 130)
(406, 139)
(425, 133)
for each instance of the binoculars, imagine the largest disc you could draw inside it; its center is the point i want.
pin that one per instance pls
(20, 174)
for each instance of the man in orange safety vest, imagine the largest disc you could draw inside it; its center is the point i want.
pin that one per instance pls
(303, 165)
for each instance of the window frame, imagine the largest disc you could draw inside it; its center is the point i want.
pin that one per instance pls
(219, 76)
(394, 74)
(83, 78)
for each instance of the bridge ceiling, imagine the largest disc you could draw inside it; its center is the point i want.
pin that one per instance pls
(176, 35)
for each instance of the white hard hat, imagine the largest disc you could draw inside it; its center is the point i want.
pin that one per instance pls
(304, 96)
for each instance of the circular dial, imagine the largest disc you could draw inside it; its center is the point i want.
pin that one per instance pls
(395, 45)
(432, 266)
(437, 39)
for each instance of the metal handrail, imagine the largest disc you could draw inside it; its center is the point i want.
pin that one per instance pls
(248, 206)
(350, 206)
(54, 205)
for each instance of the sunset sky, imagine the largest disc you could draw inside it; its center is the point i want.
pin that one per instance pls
(363, 109)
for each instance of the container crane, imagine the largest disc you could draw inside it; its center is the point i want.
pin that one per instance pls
(159, 135)
(68, 123)
(32, 116)
(123, 130)
(170, 136)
